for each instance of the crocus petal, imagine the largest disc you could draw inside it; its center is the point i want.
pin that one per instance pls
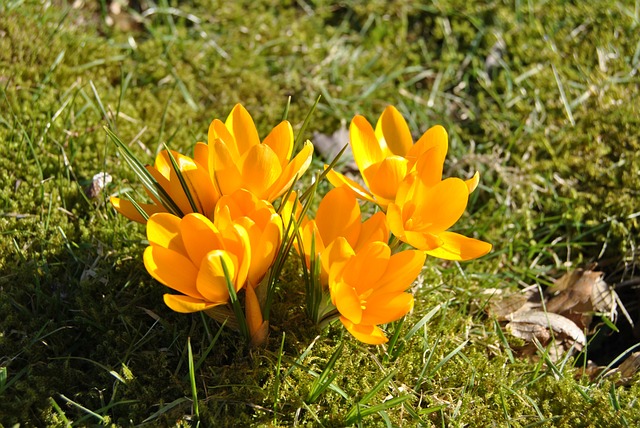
(127, 209)
(340, 180)
(173, 189)
(346, 301)
(163, 230)
(280, 139)
(186, 304)
(424, 241)
(201, 155)
(294, 169)
(473, 182)
(264, 246)
(163, 164)
(383, 308)
(439, 207)
(239, 244)
(334, 259)
(260, 169)
(364, 144)
(403, 268)
(200, 236)
(253, 311)
(339, 215)
(203, 191)
(375, 228)
(218, 131)
(241, 126)
(367, 266)
(429, 167)
(227, 174)
(211, 281)
(435, 136)
(172, 269)
(459, 247)
(393, 129)
(311, 240)
(384, 178)
(369, 334)
(395, 221)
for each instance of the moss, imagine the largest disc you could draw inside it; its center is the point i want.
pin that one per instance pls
(78, 304)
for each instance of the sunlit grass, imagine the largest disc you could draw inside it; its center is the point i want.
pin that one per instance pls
(549, 118)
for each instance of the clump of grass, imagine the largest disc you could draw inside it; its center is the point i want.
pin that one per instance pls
(538, 98)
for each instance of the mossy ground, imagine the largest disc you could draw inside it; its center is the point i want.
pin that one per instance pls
(540, 97)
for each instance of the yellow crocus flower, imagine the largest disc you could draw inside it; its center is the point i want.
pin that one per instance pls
(368, 287)
(262, 224)
(237, 159)
(339, 216)
(426, 207)
(186, 254)
(386, 155)
(200, 185)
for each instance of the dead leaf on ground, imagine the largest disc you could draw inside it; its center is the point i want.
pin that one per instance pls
(563, 319)
(328, 146)
(580, 294)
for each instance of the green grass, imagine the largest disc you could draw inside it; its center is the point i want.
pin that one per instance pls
(551, 123)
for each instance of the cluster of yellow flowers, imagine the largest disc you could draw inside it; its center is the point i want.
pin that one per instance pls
(216, 231)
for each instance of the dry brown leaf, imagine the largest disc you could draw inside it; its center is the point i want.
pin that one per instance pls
(579, 294)
(628, 369)
(328, 146)
(537, 324)
(506, 308)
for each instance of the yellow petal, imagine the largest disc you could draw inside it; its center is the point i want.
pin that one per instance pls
(200, 236)
(163, 164)
(218, 131)
(339, 215)
(439, 207)
(173, 189)
(402, 270)
(163, 230)
(383, 308)
(347, 301)
(384, 178)
(172, 269)
(241, 126)
(375, 228)
(280, 139)
(459, 247)
(239, 245)
(260, 169)
(364, 144)
(227, 174)
(311, 237)
(394, 130)
(203, 191)
(294, 169)
(395, 221)
(340, 180)
(424, 241)
(435, 136)
(473, 182)
(334, 259)
(211, 281)
(127, 209)
(264, 246)
(367, 266)
(429, 167)
(369, 334)
(253, 312)
(201, 155)
(186, 304)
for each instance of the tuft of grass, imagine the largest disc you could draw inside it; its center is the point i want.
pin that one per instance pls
(538, 97)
